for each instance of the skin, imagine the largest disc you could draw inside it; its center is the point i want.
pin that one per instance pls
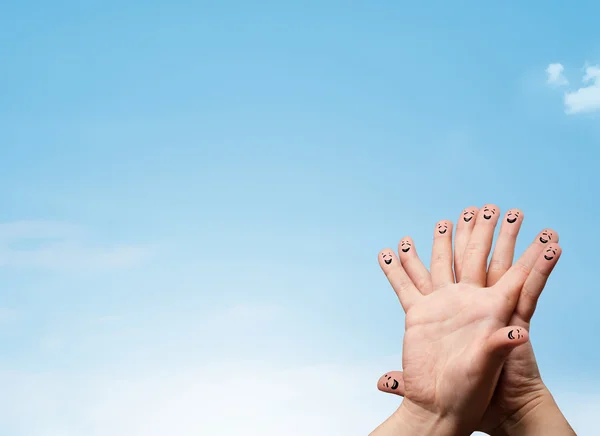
(387, 257)
(464, 227)
(512, 216)
(489, 211)
(548, 235)
(469, 213)
(520, 397)
(405, 245)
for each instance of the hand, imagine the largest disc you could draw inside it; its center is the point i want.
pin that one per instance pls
(456, 338)
(520, 388)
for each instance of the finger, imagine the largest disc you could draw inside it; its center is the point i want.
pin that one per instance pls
(503, 341)
(534, 285)
(504, 252)
(417, 272)
(479, 246)
(403, 287)
(514, 279)
(464, 228)
(392, 383)
(441, 255)
(530, 256)
(548, 235)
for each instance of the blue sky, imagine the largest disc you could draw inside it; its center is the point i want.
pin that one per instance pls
(196, 192)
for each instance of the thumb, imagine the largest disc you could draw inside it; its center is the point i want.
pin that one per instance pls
(503, 341)
(392, 383)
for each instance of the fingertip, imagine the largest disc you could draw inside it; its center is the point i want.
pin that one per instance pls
(443, 228)
(392, 383)
(489, 212)
(514, 217)
(504, 340)
(406, 246)
(386, 258)
(547, 236)
(469, 215)
(380, 382)
(548, 258)
(517, 335)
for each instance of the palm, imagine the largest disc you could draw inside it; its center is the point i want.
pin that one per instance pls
(444, 338)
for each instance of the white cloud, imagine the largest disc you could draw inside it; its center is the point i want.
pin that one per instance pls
(226, 400)
(217, 396)
(60, 246)
(586, 98)
(185, 394)
(555, 75)
(232, 399)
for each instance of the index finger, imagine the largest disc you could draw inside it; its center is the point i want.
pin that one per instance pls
(403, 287)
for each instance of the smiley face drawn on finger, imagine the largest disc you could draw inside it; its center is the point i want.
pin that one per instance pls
(550, 253)
(387, 257)
(546, 236)
(512, 336)
(442, 227)
(390, 383)
(488, 212)
(468, 215)
(405, 246)
(512, 216)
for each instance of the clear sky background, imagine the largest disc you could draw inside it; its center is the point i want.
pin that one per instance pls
(193, 196)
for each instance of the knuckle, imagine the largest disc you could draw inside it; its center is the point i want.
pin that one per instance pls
(527, 293)
(421, 283)
(472, 249)
(523, 268)
(498, 265)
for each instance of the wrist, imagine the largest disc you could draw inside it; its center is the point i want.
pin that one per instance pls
(412, 420)
(540, 415)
